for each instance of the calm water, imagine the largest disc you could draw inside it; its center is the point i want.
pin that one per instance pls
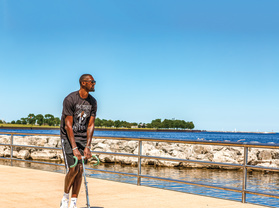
(257, 181)
(209, 136)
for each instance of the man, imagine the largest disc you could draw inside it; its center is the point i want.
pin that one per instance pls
(76, 130)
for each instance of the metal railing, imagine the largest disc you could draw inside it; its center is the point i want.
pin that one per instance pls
(139, 174)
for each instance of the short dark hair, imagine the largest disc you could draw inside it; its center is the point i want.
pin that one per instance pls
(82, 77)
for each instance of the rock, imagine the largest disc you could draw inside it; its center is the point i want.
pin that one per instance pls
(23, 154)
(223, 157)
(97, 141)
(45, 155)
(202, 149)
(265, 155)
(15, 154)
(52, 142)
(2, 149)
(106, 158)
(220, 154)
(7, 152)
(5, 139)
(101, 147)
(37, 140)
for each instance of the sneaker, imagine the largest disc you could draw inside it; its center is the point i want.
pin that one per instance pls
(73, 204)
(64, 203)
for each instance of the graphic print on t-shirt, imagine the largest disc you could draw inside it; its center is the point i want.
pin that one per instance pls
(82, 112)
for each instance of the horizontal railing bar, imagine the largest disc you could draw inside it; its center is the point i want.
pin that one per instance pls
(191, 183)
(192, 161)
(31, 146)
(236, 144)
(119, 138)
(113, 172)
(115, 153)
(263, 194)
(262, 168)
(5, 158)
(38, 147)
(39, 162)
(32, 161)
(31, 134)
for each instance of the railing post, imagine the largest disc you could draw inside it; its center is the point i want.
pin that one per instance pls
(12, 148)
(139, 162)
(244, 182)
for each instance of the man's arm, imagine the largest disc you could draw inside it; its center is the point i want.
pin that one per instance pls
(90, 131)
(70, 133)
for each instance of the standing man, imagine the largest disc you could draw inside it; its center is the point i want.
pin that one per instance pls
(76, 130)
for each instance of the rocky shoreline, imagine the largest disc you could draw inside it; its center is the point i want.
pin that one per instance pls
(220, 154)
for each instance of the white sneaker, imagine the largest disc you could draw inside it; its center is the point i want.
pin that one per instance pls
(73, 205)
(64, 203)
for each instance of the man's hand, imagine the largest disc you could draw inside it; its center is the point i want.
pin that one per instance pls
(77, 154)
(87, 153)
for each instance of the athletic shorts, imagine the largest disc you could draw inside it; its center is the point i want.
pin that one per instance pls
(68, 152)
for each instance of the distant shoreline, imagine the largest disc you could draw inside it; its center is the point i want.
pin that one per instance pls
(103, 129)
(138, 129)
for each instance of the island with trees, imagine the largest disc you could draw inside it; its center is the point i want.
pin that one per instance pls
(49, 120)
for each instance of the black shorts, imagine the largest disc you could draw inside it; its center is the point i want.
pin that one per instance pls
(68, 152)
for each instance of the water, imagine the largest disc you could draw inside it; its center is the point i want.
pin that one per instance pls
(272, 138)
(257, 181)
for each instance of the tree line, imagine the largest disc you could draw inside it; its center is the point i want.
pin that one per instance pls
(157, 123)
(39, 119)
(50, 120)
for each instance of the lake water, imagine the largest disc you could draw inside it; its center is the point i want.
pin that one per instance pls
(208, 136)
(257, 181)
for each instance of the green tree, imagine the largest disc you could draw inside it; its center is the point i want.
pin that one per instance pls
(31, 119)
(117, 123)
(134, 124)
(190, 125)
(23, 120)
(110, 123)
(98, 122)
(167, 124)
(156, 123)
(126, 124)
(104, 122)
(18, 122)
(1, 121)
(49, 119)
(57, 121)
(40, 119)
(148, 125)
(12, 122)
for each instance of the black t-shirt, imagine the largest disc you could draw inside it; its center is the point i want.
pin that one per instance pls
(81, 110)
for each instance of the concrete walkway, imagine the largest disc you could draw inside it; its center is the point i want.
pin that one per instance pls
(28, 188)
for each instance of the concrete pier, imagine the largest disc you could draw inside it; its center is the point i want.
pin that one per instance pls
(28, 188)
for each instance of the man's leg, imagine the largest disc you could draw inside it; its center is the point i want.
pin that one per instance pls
(77, 182)
(70, 178)
(71, 172)
(76, 187)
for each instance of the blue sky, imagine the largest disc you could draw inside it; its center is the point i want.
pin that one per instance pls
(211, 62)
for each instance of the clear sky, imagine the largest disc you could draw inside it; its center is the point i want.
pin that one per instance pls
(215, 63)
